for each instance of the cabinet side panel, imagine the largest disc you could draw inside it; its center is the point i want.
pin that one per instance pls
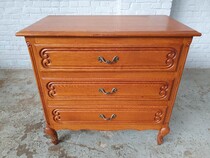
(178, 76)
(32, 50)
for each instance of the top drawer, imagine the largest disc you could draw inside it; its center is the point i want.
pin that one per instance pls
(141, 56)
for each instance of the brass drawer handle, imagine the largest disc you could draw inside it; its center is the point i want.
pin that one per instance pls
(107, 119)
(114, 60)
(114, 90)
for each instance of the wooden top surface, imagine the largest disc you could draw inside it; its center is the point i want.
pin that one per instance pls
(110, 26)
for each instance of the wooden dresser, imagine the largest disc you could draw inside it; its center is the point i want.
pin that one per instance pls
(108, 72)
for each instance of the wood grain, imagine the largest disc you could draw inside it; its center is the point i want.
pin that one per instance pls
(136, 90)
(104, 26)
(144, 115)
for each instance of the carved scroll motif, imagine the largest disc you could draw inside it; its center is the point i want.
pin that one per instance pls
(56, 115)
(188, 44)
(163, 90)
(158, 116)
(51, 90)
(28, 44)
(45, 58)
(170, 58)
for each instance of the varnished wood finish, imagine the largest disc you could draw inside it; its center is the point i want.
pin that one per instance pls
(128, 58)
(135, 90)
(71, 54)
(108, 72)
(142, 115)
(53, 134)
(163, 132)
(108, 26)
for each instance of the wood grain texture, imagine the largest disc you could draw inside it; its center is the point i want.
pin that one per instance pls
(134, 54)
(141, 90)
(104, 26)
(108, 72)
(144, 115)
(101, 58)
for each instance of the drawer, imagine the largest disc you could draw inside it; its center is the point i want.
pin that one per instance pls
(146, 115)
(111, 90)
(98, 59)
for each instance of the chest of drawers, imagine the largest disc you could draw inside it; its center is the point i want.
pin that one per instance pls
(108, 72)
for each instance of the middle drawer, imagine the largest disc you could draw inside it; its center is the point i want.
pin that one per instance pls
(112, 90)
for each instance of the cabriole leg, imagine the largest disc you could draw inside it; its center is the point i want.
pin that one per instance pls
(162, 133)
(53, 134)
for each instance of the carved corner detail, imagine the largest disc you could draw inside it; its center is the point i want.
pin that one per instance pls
(45, 58)
(163, 90)
(51, 90)
(158, 116)
(188, 44)
(28, 43)
(170, 58)
(56, 115)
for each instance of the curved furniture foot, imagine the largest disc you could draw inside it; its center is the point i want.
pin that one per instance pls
(162, 133)
(53, 134)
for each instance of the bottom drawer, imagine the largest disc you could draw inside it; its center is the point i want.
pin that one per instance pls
(153, 115)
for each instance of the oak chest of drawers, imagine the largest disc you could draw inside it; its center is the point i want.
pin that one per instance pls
(108, 72)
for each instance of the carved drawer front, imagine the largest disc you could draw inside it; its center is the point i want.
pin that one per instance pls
(83, 90)
(95, 59)
(140, 115)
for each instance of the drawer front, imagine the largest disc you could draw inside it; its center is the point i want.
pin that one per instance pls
(138, 90)
(152, 115)
(96, 59)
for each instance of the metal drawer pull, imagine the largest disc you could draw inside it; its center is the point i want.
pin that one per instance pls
(107, 119)
(114, 90)
(114, 60)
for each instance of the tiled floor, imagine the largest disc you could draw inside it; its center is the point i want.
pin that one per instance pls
(21, 125)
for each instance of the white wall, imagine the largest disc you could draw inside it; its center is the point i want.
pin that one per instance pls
(17, 14)
(196, 14)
